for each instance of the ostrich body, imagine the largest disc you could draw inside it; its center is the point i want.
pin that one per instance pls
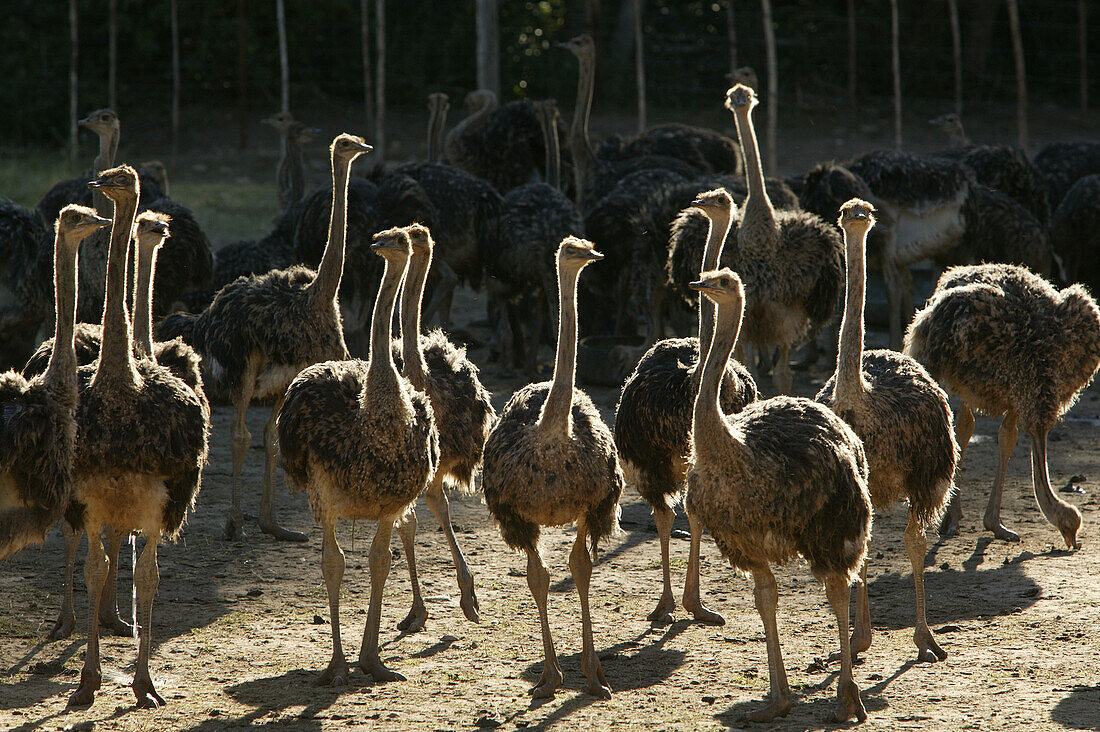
(463, 415)
(550, 460)
(277, 250)
(38, 416)
(534, 220)
(141, 445)
(653, 417)
(1075, 232)
(904, 420)
(259, 332)
(361, 442)
(1009, 344)
(785, 477)
(26, 260)
(791, 261)
(1064, 163)
(998, 229)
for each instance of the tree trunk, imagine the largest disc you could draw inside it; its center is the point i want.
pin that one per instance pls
(73, 143)
(1021, 74)
(368, 87)
(639, 65)
(242, 77)
(112, 54)
(896, 63)
(1082, 43)
(773, 85)
(488, 46)
(731, 29)
(176, 80)
(852, 106)
(380, 80)
(956, 48)
(284, 61)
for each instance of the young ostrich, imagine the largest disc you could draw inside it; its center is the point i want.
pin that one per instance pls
(463, 414)
(290, 175)
(653, 418)
(142, 441)
(791, 260)
(904, 420)
(38, 417)
(259, 332)
(783, 478)
(360, 441)
(550, 460)
(1009, 344)
(105, 124)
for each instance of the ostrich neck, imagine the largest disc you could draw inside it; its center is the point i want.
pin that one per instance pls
(143, 303)
(556, 415)
(849, 357)
(436, 123)
(758, 216)
(296, 174)
(584, 161)
(553, 150)
(712, 254)
(327, 283)
(61, 369)
(116, 353)
(412, 294)
(471, 124)
(108, 147)
(706, 419)
(381, 373)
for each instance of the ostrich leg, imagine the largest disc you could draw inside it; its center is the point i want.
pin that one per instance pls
(147, 579)
(766, 594)
(332, 566)
(538, 579)
(580, 566)
(379, 570)
(414, 621)
(927, 649)
(663, 516)
(271, 457)
(692, 601)
(441, 509)
(1006, 442)
(964, 429)
(108, 607)
(848, 703)
(242, 438)
(66, 618)
(95, 573)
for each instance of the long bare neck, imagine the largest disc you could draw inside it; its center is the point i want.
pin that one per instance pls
(296, 174)
(381, 371)
(61, 369)
(115, 354)
(412, 294)
(143, 303)
(324, 287)
(553, 149)
(757, 226)
(471, 123)
(707, 422)
(556, 415)
(712, 253)
(436, 124)
(584, 160)
(849, 357)
(108, 147)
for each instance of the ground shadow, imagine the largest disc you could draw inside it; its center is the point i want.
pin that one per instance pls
(276, 693)
(1079, 710)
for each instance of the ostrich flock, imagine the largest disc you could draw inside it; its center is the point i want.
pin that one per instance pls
(105, 428)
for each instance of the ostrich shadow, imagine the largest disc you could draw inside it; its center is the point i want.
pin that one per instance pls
(1080, 709)
(275, 693)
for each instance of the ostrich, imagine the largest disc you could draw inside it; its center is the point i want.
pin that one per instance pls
(438, 104)
(904, 420)
(105, 124)
(785, 477)
(550, 460)
(38, 416)
(1075, 232)
(1009, 344)
(290, 176)
(791, 260)
(998, 229)
(925, 198)
(361, 442)
(534, 220)
(142, 442)
(25, 265)
(1064, 163)
(653, 418)
(157, 171)
(463, 414)
(259, 332)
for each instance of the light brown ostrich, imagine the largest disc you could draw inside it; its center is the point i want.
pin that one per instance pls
(1011, 345)
(785, 477)
(38, 416)
(791, 261)
(904, 420)
(550, 460)
(463, 414)
(653, 418)
(360, 441)
(438, 104)
(142, 441)
(260, 331)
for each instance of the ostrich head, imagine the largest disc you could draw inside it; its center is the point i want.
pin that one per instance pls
(949, 124)
(75, 223)
(152, 229)
(158, 171)
(439, 102)
(723, 286)
(744, 75)
(117, 183)
(102, 122)
(583, 47)
(301, 133)
(576, 253)
(480, 99)
(740, 97)
(714, 203)
(420, 238)
(348, 147)
(856, 215)
(392, 245)
(281, 121)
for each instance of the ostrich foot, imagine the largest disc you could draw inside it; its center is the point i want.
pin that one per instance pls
(860, 642)
(63, 628)
(336, 674)
(928, 650)
(147, 696)
(414, 621)
(597, 684)
(378, 672)
(949, 524)
(778, 708)
(281, 534)
(469, 604)
(662, 614)
(85, 692)
(848, 703)
(547, 684)
(702, 613)
(113, 622)
(1000, 530)
(234, 528)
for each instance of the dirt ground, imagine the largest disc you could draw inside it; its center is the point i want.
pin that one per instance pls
(241, 629)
